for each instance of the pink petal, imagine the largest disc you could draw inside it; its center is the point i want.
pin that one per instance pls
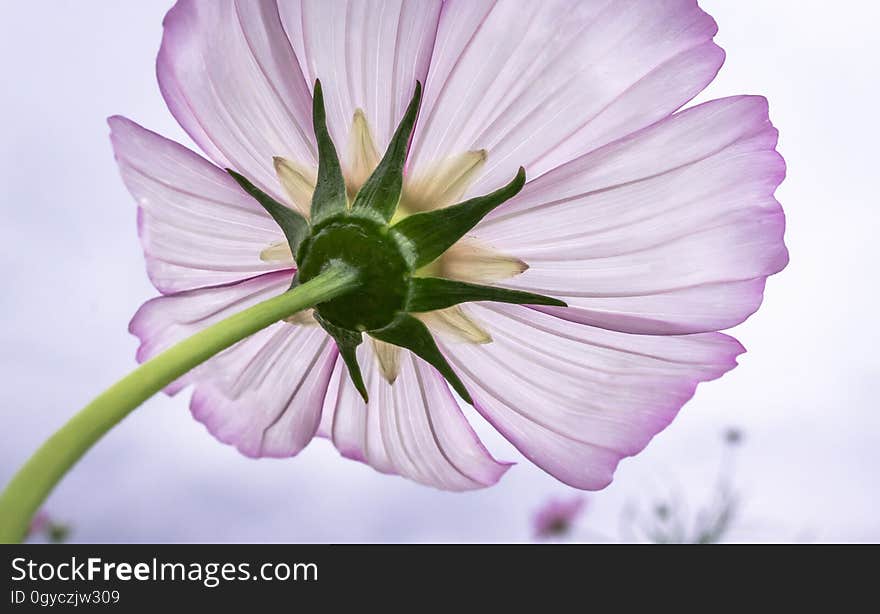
(265, 394)
(557, 514)
(198, 228)
(538, 83)
(576, 399)
(230, 77)
(268, 402)
(368, 55)
(166, 320)
(671, 230)
(413, 428)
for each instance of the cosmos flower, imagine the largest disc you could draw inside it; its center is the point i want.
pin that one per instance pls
(44, 526)
(656, 226)
(556, 517)
(39, 523)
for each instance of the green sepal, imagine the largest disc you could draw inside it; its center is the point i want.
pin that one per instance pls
(330, 196)
(430, 293)
(410, 333)
(347, 342)
(294, 226)
(428, 234)
(380, 194)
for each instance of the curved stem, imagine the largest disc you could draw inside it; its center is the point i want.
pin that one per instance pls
(35, 480)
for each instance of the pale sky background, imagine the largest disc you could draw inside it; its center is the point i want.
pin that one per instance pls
(805, 394)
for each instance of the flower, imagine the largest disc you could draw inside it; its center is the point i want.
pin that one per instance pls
(657, 226)
(39, 523)
(42, 525)
(556, 517)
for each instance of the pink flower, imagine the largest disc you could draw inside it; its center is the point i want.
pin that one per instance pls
(556, 517)
(657, 226)
(39, 523)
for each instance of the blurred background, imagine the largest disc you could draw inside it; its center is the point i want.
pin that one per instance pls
(804, 399)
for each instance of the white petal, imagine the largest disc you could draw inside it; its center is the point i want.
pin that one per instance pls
(368, 55)
(576, 399)
(672, 230)
(230, 77)
(537, 83)
(268, 403)
(198, 228)
(414, 428)
(163, 321)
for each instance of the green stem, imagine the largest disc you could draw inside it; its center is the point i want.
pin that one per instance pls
(36, 479)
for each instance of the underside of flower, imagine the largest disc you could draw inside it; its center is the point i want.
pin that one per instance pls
(655, 222)
(395, 245)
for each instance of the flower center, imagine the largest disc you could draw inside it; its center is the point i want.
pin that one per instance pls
(368, 247)
(393, 240)
(441, 184)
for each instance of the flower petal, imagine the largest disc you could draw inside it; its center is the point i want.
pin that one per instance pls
(499, 81)
(163, 321)
(368, 56)
(576, 399)
(268, 402)
(230, 77)
(198, 228)
(669, 231)
(414, 428)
